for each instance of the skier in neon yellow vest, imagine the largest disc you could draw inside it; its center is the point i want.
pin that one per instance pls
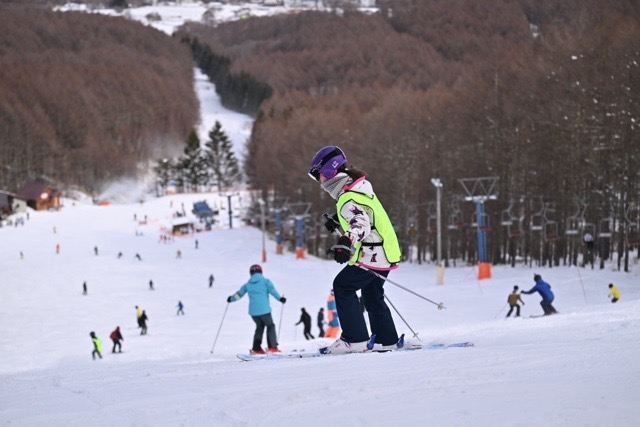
(367, 239)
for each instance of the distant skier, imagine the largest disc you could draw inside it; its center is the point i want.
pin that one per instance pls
(138, 257)
(97, 346)
(259, 287)
(95, 250)
(513, 299)
(321, 322)
(57, 248)
(178, 254)
(197, 243)
(545, 292)
(143, 323)
(119, 255)
(84, 288)
(333, 325)
(614, 292)
(150, 285)
(211, 280)
(138, 316)
(21, 255)
(116, 337)
(305, 319)
(180, 308)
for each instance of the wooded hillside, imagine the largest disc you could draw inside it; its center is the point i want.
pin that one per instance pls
(84, 98)
(542, 94)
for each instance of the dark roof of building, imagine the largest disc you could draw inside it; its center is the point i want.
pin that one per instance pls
(202, 209)
(33, 190)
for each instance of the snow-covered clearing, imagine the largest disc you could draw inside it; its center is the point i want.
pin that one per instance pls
(577, 368)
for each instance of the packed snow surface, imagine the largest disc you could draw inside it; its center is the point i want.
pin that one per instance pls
(576, 368)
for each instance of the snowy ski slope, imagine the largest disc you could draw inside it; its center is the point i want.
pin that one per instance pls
(578, 368)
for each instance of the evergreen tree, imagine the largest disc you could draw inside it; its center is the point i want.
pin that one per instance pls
(221, 159)
(193, 166)
(164, 172)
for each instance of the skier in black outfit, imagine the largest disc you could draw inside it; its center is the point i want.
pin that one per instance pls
(84, 288)
(180, 307)
(116, 337)
(211, 279)
(321, 322)
(143, 323)
(305, 319)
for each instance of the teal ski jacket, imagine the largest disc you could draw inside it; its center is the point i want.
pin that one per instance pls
(258, 288)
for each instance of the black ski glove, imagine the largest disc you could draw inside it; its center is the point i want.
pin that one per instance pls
(230, 299)
(331, 223)
(342, 251)
(283, 300)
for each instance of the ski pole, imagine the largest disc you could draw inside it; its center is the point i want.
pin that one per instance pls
(439, 305)
(584, 293)
(219, 328)
(503, 307)
(280, 321)
(380, 276)
(415, 334)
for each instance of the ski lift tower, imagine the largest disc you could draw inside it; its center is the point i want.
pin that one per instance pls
(479, 190)
(299, 211)
(279, 207)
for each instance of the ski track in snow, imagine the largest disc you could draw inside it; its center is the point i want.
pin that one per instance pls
(576, 368)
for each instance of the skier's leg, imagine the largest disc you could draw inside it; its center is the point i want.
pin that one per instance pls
(272, 338)
(345, 285)
(257, 335)
(517, 311)
(510, 310)
(113, 350)
(379, 314)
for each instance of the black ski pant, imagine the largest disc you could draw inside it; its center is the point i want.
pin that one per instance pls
(354, 327)
(547, 307)
(116, 343)
(307, 331)
(93, 354)
(264, 321)
(517, 307)
(321, 328)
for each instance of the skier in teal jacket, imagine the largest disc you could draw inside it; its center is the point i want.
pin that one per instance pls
(259, 287)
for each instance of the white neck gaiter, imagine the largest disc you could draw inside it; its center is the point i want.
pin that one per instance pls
(335, 185)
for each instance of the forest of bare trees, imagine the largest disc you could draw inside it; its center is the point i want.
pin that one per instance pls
(541, 94)
(86, 98)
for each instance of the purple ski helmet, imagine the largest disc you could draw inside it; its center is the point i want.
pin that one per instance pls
(327, 162)
(255, 268)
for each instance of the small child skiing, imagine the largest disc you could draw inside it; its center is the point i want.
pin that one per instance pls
(614, 293)
(180, 308)
(259, 287)
(138, 315)
(211, 280)
(513, 299)
(97, 346)
(150, 285)
(116, 337)
(305, 319)
(84, 288)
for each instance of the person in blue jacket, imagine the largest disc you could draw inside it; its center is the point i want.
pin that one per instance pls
(544, 289)
(259, 287)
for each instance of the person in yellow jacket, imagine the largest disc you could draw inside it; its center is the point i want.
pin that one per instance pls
(513, 299)
(97, 346)
(614, 293)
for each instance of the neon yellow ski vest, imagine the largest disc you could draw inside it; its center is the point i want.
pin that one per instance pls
(380, 222)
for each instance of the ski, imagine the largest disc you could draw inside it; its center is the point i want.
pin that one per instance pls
(304, 355)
